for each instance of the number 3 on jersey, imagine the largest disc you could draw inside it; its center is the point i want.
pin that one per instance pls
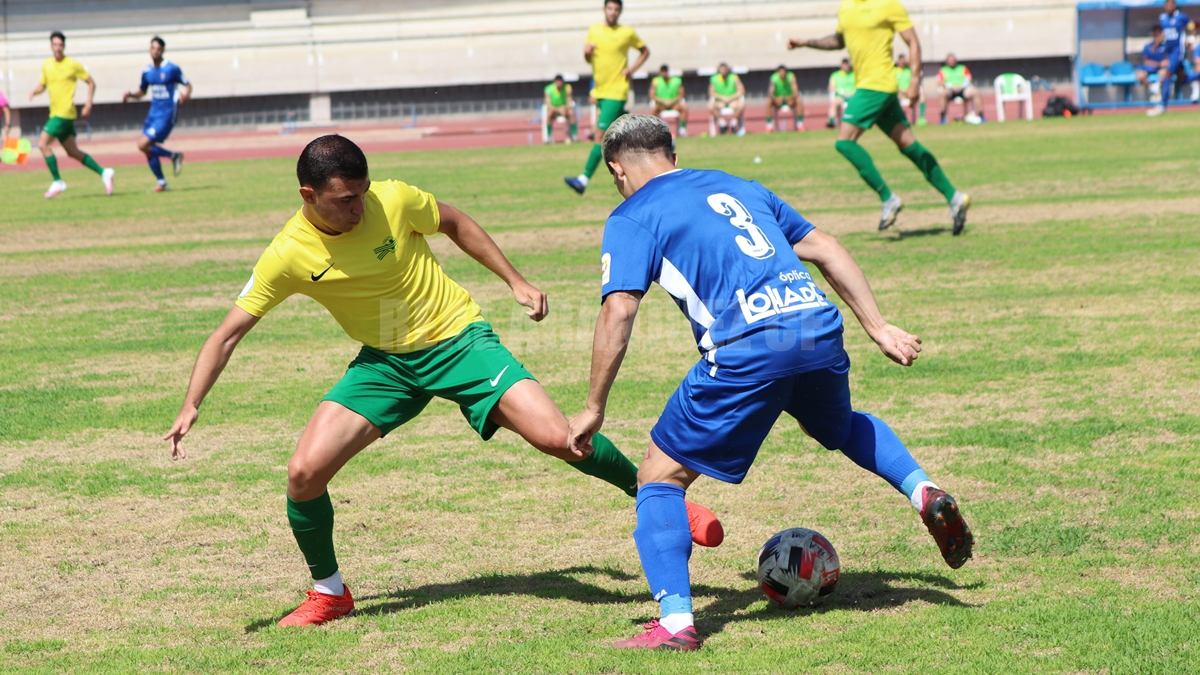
(757, 245)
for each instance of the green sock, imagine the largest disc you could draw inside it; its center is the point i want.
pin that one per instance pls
(609, 465)
(550, 130)
(928, 165)
(593, 162)
(91, 164)
(574, 130)
(682, 122)
(866, 167)
(921, 108)
(312, 524)
(52, 163)
(770, 122)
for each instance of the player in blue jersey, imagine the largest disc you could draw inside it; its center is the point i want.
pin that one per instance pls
(729, 252)
(168, 90)
(1154, 58)
(1174, 25)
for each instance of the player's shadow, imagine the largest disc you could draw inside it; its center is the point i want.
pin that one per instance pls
(924, 232)
(864, 591)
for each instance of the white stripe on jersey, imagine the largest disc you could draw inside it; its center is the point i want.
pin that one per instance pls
(673, 282)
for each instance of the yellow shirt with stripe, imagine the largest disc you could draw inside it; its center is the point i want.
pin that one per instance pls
(869, 28)
(610, 57)
(59, 77)
(380, 281)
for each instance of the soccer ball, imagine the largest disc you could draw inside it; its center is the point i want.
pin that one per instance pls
(797, 567)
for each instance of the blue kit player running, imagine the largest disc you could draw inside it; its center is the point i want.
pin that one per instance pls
(1174, 25)
(729, 252)
(163, 80)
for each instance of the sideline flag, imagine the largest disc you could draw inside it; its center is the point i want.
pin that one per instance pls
(16, 151)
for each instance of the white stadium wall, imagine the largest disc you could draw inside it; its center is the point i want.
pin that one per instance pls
(232, 49)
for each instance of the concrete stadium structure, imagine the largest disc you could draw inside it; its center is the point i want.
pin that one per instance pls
(313, 61)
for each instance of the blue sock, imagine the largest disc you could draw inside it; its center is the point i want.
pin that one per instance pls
(664, 544)
(1165, 85)
(159, 151)
(156, 166)
(875, 447)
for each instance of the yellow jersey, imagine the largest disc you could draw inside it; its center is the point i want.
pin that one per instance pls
(380, 281)
(869, 28)
(59, 77)
(610, 57)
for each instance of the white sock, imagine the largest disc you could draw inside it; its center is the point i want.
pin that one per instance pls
(582, 179)
(162, 181)
(331, 586)
(677, 622)
(918, 493)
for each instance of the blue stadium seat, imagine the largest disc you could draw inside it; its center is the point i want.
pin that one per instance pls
(1093, 75)
(1121, 74)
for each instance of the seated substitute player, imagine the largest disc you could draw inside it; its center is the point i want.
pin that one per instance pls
(60, 74)
(842, 86)
(559, 104)
(903, 80)
(161, 79)
(359, 248)
(667, 93)
(1154, 57)
(954, 81)
(725, 90)
(729, 252)
(782, 91)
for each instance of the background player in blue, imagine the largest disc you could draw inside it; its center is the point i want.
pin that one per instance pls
(161, 79)
(1174, 27)
(729, 252)
(1154, 58)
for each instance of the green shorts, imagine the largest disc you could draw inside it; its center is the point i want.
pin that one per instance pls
(471, 369)
(868, 107)
(607, 111)
(60, 128)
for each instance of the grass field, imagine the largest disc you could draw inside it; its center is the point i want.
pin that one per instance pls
(1057, 398)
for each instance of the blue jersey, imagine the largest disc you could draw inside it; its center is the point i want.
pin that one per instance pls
(161, 82)
(1152, 52)
(1174, 27)
(721, 247)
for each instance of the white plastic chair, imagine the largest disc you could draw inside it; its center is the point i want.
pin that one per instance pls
(667, 116)
(547, 135)
(1013, 87)
(726, 115)
(785, 108)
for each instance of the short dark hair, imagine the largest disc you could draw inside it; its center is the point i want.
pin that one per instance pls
(330, 157)
(58, 34)
(643, 134)
(618, 3)
(664, 67)
(1156, 29)
(161, 42)
(558, 77)
(845, 60)
(781, 67)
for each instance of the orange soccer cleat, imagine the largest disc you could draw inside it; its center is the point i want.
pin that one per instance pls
(320, 608)
(706, 528)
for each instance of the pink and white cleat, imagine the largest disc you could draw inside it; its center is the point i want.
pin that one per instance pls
(657, 637)
(56, 187)
(107, 178)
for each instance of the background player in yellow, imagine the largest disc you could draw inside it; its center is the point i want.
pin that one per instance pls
(607, 49)
(59, 75)
(667, 93)
(783, 90)
(867, 29)
(559, 104)
(358, 248)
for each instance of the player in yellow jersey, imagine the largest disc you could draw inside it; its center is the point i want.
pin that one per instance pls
(59, 75)
(607, 49)
(358, 247)
(866, 29)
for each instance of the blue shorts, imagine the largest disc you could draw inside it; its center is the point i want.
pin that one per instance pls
(158, 128)
(1148, 69)
(1174, 63)
(715, 427)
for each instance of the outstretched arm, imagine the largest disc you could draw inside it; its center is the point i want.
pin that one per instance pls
(468, 236)
(828, 43)
(611, 339)
(212, 359)
(848, 280)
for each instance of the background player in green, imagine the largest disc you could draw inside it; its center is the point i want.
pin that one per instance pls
(904, 81)
(725, 90)
(59, 75)
(782, 91)
(607, 49)
(667, 93)
(558, 103)
(867, 29)
(955, 81)
(841, 90)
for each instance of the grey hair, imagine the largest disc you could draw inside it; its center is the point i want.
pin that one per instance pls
(643, 134)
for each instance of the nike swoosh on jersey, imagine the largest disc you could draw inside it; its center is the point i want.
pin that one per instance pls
(317, 277)
(497, 380)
